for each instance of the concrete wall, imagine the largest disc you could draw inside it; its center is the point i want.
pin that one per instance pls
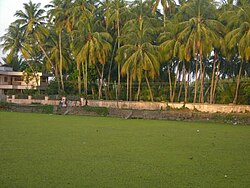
(211, 108)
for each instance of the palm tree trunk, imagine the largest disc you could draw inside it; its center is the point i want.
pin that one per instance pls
(57, 79)
(201, 78)
(139, 90)
(51, 64)
(61, 63)
(101, 83)
(196, 80)
(149, 88)
(212, 78)
(127, 85)
(182, 83)
(216, 81)
(237, 85)
(111, 63)
(170, 84)
(85, 69)
(79, 79)
(119, 65)
(130, 87)
(185, 82)
(180, 90)
(188, 83)
(175, 81)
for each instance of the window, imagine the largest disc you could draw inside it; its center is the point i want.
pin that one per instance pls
(5, 79)
(18, 79)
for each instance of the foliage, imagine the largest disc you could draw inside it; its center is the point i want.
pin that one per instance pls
(103, 111)
(47, 109)
(4, 105)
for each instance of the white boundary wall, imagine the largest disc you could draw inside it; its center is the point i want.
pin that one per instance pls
(141, 105)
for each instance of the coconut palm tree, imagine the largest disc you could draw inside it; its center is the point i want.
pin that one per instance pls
(12, 41)
(91, 45)
(238, 21)
(115, 15)
(32, 23)
(200, 33)
(61, 20)
(168, 8)
(170, 48)
(139, 55)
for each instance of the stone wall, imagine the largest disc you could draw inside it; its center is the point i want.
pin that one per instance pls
(211, 108)
(44, 101)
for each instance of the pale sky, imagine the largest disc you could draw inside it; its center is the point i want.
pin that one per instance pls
(7, 11)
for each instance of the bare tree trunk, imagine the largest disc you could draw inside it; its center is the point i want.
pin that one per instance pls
(57, 79)
(237, 85)
(150, 90)
(188, 82)
(61, 63)
(170, 84)
(79, 79)
(179, 93)
(201, 78)
(139, 90)
(51, 64)
(216, 81)
(185, 82)
(212, 78)
(196, 80)
(111, 63)
(175, 81)
(119, 64)
(130, 87)
(101, 83)
(85, 67)
(127, 85)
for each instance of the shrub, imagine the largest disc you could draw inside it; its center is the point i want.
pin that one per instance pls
(47, 109)
(103, 111)
(4, 105)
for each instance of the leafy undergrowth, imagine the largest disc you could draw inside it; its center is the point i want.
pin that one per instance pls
(102, 111)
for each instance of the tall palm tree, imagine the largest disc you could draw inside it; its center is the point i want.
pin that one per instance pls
(168, 8)
(238, 21)
(12, 41)
(59, 15)
(171, 48)
(77, 16)
(138, 53)
(92, 45)
(32, 22)
(200, 33)
(115, 15)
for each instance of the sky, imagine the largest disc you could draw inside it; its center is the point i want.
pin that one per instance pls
(7, 11)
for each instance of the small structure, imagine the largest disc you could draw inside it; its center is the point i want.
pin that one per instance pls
(12, 80)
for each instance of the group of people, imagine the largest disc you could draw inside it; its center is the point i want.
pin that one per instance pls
(64, 102)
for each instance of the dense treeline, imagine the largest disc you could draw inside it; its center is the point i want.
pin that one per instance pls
(193, 51)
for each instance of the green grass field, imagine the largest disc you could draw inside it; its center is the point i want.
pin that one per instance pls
(38, 150)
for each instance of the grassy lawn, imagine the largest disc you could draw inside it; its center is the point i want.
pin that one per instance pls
(38, 150)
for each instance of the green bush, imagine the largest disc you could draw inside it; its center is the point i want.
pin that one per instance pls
(103, 111)
(4, 105)
(47, 109)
